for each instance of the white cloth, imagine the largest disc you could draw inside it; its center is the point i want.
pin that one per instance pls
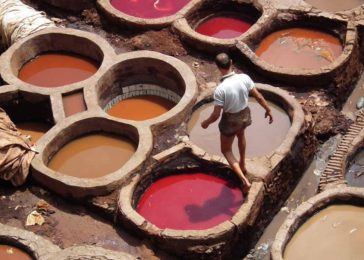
(233, 92)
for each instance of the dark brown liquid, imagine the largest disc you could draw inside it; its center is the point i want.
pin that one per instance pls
(54, 70)
(335, 5)
(73, 103)
(335, 233)
(35, 130)
(299, 48)
(12, 253)
(141, 108)
(355, 174)
(261, 137)
(92, 156)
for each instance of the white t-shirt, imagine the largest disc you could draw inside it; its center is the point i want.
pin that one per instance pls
(233, 92)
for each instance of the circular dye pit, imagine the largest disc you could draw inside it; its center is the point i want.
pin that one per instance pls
(299, 48)
(334, 233)
(355, 173)
(141, 108)
(335, 5)
(8, 252)
(57, 69)
(149, 8)
(262, 137)
(190, 201)
(34, 129)
(224, 27)
(92, 156)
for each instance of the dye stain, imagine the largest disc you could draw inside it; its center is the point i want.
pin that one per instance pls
(355, 173)
(224, 27)
(34, 129)
(55, 70)
(141, 108)
(262, 137)
(149, 9)
(12, 253)
(73, 103)
(190, 201)
(299, 48)
(335, 5)
(92, 156)
(334, 233)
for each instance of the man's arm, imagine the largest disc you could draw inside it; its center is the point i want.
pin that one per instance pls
(213, 117)
(261, 100)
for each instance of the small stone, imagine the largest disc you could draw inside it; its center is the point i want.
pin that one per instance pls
(360, 103)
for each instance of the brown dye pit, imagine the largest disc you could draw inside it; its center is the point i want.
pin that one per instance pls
(141, 107)
(355, 174)
(92, 156)
(299, 48)
(335, 5)
(34, 129)
(56, 69)
(12, 253)
(73, 103)
(262, 137)
(334, 233)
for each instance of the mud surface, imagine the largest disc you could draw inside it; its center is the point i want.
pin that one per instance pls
(67, 223)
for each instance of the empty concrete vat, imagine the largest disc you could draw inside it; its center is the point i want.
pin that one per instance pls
(329, 225)
(89, 155)
(168, 205)
(146, 86)
(30, 112)
(57, 58)
(216, 25)
(320, 50)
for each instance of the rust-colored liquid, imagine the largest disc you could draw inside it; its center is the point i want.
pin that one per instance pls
(335, 233)
(261, 137)
(92, 156)
(54, 70)
(190, 201)
(299, 48)
(73, 103)
(335, 5)
(355, 173)
(35, 130)
(12, 253)
(141, 108)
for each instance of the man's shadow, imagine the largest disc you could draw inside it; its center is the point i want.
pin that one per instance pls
(222, 204)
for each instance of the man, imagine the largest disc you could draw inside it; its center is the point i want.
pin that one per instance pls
(231, 97)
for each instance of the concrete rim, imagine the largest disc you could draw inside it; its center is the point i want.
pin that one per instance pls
(12, 57)
(296, 218)
(74, 187)
(121, 18)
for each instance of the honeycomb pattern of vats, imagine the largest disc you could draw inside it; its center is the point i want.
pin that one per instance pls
(351, 142)
(210, 243)
(261, 167)
(347, 196)
(42, 249)
(29, 102)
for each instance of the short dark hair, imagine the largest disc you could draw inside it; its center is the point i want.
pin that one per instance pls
(223, 61)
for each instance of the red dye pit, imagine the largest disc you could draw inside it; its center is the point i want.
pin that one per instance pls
(149, 8)
(299, 48)
(54, 70)
(191, 201)
(224, 27)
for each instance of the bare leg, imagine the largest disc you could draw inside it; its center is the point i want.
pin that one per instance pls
(242, 146)
(226, 143)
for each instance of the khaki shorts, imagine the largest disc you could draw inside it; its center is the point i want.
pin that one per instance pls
(231, 123)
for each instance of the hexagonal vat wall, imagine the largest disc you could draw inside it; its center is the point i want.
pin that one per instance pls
(144, 86)
(100, 134)
(84, 53)
(336, 213)
(210, 234)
